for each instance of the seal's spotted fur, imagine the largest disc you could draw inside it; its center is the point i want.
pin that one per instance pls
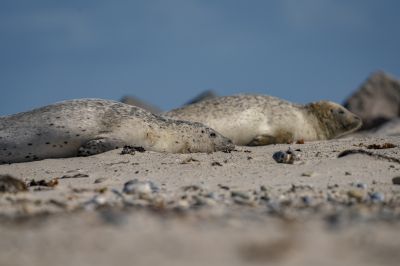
(91, 126)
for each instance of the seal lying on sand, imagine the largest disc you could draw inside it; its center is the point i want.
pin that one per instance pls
(91, 126)
(260, 120)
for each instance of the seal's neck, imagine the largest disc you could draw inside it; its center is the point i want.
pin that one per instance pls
(321, 119)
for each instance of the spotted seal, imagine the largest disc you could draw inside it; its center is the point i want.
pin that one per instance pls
(90, 126)
(260, 119)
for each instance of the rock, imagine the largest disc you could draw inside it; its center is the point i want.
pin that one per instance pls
(11, 184)
(377, 197)
(287, 157)
(376, 101)
(205, 95)
(99, 180)
(139, 103)
(360, 185)
(141, 188)
(131, 150)
(396, 180)
(356, 194)
(391, 128)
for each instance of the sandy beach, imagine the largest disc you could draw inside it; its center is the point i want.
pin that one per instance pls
(222, 208)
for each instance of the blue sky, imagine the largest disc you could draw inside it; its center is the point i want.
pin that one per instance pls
(167, 51)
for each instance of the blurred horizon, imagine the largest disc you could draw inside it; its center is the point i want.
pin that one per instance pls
(167, 52)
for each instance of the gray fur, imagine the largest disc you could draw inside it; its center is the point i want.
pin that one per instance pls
(260, 119)
(91, 126)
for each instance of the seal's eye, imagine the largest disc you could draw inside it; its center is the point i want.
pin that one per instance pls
(212, 135)
(341, 112)
(331, 111)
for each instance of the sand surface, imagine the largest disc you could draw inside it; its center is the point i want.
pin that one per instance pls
(208, 209)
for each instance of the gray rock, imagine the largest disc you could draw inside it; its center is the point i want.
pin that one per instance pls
(139, 103)
(376, 101)
(377, 197)
(391, 128)
(142, 188)
(205, 95)
(288, 157)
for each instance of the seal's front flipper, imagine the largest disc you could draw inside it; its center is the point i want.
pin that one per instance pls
(97, 146)
(262, 140)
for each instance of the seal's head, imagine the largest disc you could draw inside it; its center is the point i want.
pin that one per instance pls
(334, 120)
(188, 137)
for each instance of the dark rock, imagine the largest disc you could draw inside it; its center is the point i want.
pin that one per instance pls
(205, 95)
(132, 150)
(396, 180)
(376, 101)
(139, 103)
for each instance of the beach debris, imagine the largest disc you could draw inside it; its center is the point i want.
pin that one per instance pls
(99, 180)
(78, 175)
(191, 188)
(307, 200)
(131, 150)
(288, 157)
(396, 180)
(11, 184)
(189, 160)
(58, 203)
(43, 183)
(300, 141)
(216, 163)
(381, 146)
(374, 155)
(224, 187)
(141, 188)
(101, 190)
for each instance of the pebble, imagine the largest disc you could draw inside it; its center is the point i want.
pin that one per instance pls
(240, 194)
(100, 180)
(287, 157)
(356, 194)
(396, 180)
(307, 200)
(95, 202)
(142, 188)
(361, 185)
(377, 197)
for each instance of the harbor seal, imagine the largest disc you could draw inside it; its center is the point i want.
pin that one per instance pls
(90, 126)
(261, 120)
